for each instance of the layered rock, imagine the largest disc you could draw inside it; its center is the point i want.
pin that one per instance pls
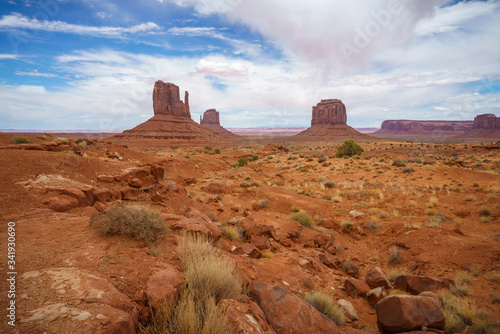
(329, 121)
(486, 126)
(171, 123)
(210, 120)
(409, 128)
(331, 111)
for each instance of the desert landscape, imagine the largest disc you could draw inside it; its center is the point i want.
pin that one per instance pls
(172, 228)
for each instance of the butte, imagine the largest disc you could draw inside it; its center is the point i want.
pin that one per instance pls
(329, 121)
(171, 123)
(210, 120)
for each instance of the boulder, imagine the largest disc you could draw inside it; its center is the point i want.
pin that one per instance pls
(163, 285)
(245, 316)
(216, 188)
(348, 309)
(355, 287)
(375, 295)
(102, 195)
(266, 230)
(130, 193)
(415, 284)
(375, 278)
(62, 203)
(287, 313)
(260, 241)
(248, 250)
(196, 225)
(79, 195)
(78, 299)
(404, 313)
(138, 177)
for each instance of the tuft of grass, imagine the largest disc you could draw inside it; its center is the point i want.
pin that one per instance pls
(433, 202)
(244, 184)
(231, 232)
(474, 269)
(263, 203)
(267, 254)
(295, 208)
(323, 303)
(463, 277)
(346, 224)
(495, 297)
(20, 140)
(83, 144)
(303, 218)
(493, 276)
(394, 273)
(329, 184)
(484, 211)
(470, 198)
(137, 222)
(350, 268)
(399, 163)
(337, 199)
(395, 255)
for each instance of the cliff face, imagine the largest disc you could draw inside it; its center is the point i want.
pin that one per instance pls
(211, 116)
(486, 121)
(331, 111)
(419, 127)
(166, 100)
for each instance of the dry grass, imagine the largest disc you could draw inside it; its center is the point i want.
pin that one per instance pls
(350, 268)
(231, 232)
(264, 203)
(303, 218)
(346, 224)
(137, 222)
(493, 276)
(20, 140)
(323, 303)
(395, 255)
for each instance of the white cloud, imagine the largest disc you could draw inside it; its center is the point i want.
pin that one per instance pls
(103, 15)
(35, 73)
(18, 21)
(8, 56)
(224, 69)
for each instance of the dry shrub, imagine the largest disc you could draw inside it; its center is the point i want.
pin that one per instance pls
(395, 255)
(303, 218)
(137, 222)
(231, 232)
(484, 211)
(346, 224)
(263, 203)
(20, 140)
(323, 303)
(350, 267)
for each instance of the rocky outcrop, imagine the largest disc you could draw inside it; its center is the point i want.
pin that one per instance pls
(166, 100)
(486, 121)
(415, 284)
(210, 120)
(402, 313)
(211, 116)
(329, 122)
(171, 123)
(410, 128)
(331, 111)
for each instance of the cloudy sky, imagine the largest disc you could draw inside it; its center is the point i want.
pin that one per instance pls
(92, 64)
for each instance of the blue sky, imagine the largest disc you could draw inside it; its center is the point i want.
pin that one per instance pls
(88, 64)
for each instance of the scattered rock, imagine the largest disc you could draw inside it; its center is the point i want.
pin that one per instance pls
(245, 316)
(403, 313)
(62, 203)
(130, 193)
(348, 309)
(287, 313)
(375, 295)
(416, 284)
(375, 278)
(260, 241)
(249, 250)
(163, 285)
(356, 287)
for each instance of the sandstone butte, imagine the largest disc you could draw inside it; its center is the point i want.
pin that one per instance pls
(211, 120)
(486, 126)
(329, 121)
(411, 128)
(171, 123)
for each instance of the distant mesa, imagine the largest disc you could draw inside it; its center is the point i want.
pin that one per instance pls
(171, 123)
(329, 121)
(210, 120)
(486, 126)
(411, 128)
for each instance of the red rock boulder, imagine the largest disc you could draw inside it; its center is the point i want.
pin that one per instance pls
(356, 287)
(416, 284)
(375, 278)
(163, 285)
(245, 316)
(287, 313)
(403, 313)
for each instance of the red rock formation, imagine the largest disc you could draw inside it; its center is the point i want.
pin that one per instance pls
(171, 123)
(211, 116)
(329, 121)
(210, 120)
(331, 111)
(486, 126)
(166, 100)
(408, 128)
(486, 121)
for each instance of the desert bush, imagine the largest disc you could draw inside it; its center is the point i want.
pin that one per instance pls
(321, 160)
(241, 162)
(408, 170)
(217, 151)
(244, 184)
(350, 267)
(295, 208)
(137, 222)
(213, 217)
(231, 232)
(470, 198)
(303, 218)
(484, 211)
(399, 163)
(337, 199)
(329, 184)
(460, 290)
(463, 277)
(323, 303)
(267, 254)
(433, 202)
(264, 203)
(83, 144)
(395, 255)
(346, 224)
(395, 273)
(493, 276)
(372, 225)
(495, 297)
(20, 140)
(348, 149)
(474, 269)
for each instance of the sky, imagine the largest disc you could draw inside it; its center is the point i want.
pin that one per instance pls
(92, 64)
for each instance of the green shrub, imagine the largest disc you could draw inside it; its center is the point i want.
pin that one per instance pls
(134, 221)
(303, 218)
(295, 208)
(241, 162)
(20, 140)
(217, 151)
(323, 303)
(83, 144)
(348, 149)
